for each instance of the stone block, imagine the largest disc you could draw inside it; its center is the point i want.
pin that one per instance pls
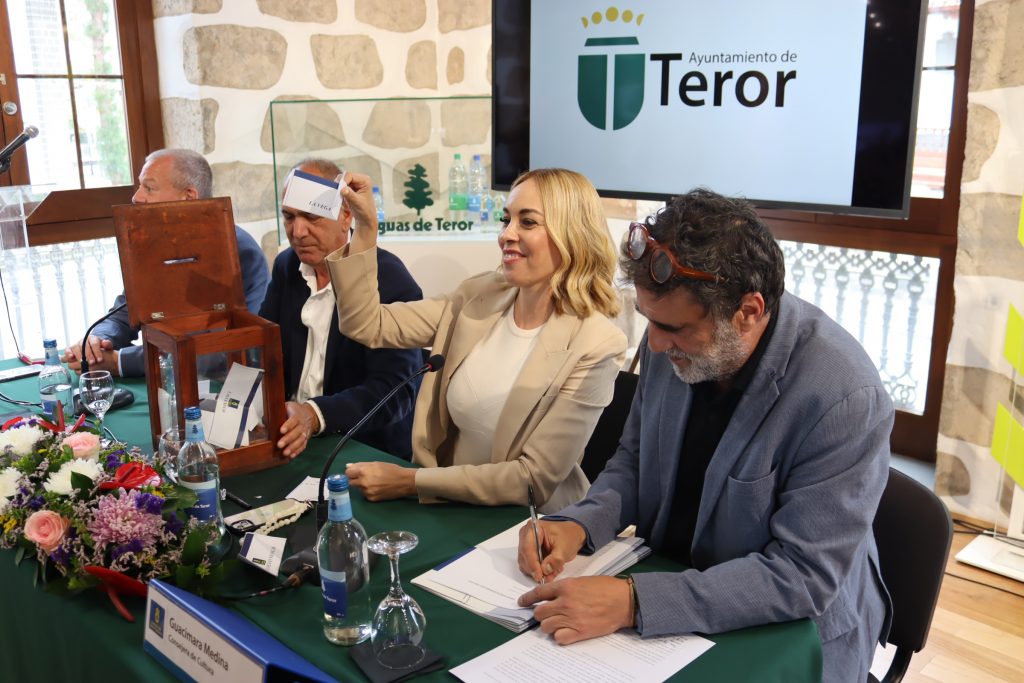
(619, 208)
(398, 124)
(459, 15)
(170, 8)
(421, 65)
(997, 55)
(987, 240)
(465, 122)
(250, 186)
(319, 11)
(456, 68)
(347, 62)
(364, 164)
(982, 136)
(305, 127)
(189, 124)
(969, 398)
(952, 478)
(234, 56)
(402, 16)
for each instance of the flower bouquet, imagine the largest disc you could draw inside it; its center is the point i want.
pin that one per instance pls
(95, 515)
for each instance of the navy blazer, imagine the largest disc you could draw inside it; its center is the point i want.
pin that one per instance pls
(355, 377)
(784, 525)
(119, 330)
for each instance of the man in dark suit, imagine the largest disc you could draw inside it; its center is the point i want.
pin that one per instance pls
(755, 452)
(330, 380)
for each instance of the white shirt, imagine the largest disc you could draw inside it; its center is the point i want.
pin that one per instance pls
(316, 316)
(481, 385)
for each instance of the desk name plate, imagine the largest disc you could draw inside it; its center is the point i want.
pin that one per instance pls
(198, 640)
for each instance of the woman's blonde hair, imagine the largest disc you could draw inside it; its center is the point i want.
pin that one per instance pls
(575, 220)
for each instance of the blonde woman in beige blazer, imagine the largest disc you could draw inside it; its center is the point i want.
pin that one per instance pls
(558, 262)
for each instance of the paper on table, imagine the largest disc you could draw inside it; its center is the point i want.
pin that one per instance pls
(306, 491)
(615, 658)
(491, 571)
(231, 422)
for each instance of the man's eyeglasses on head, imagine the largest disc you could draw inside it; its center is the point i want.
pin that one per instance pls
(663, 262)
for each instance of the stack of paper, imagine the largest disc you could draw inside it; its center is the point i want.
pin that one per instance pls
(487, 580)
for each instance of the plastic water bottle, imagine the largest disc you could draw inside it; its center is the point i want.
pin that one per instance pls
(344, 569)
(199, 470)
(498, 208)
(457, 187)
(378, 201)
(486, 211)
(55, 383)
(477, 187)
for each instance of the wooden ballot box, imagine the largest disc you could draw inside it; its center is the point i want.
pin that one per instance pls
(183, 284)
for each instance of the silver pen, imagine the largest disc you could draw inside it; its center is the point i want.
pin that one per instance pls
(533, 520)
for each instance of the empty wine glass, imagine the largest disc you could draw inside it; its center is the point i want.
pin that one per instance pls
(398, 623)
(96, 389)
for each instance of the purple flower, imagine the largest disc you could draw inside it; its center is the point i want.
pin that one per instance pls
(35, 503)
(130, 547)
(149, 503)
(173, 524)
(60, 556)
(120, 519)
(113, 461)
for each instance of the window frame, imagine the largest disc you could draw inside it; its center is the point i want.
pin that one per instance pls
(72, 215)
(929, 230)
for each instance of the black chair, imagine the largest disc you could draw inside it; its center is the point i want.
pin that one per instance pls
(605, 439)
(913, 531)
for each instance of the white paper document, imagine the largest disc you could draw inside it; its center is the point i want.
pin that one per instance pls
(487, 580)
(312, 194)
(616, 658)
(306, 491)
(237, 412)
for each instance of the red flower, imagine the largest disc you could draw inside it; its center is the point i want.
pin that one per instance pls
(133, 475)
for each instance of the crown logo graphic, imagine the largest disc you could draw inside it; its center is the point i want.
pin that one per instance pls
(623, 103)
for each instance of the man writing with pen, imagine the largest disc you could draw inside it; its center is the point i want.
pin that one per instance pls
(755, 452)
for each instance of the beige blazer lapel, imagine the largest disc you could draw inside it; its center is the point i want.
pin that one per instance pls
(542, 367)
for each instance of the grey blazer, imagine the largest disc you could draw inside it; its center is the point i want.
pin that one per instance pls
(784, 525)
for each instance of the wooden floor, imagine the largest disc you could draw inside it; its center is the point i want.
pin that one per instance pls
(977, 634)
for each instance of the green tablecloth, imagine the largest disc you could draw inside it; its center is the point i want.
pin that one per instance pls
(45, 637)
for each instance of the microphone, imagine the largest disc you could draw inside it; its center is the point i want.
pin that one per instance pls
(433, 364)
(85, 339)
(7, 152)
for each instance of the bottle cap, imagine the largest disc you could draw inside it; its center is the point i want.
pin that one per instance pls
(376, 189)
(337, 482)
(49, 343)
(458, 156)
(476, 157)
(193, 413)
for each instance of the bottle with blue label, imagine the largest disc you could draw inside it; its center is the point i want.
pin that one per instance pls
(477, 188)
(55, 383)
(378, 201)
(199, 471)
(344, 563)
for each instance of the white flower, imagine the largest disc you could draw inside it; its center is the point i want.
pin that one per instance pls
(21, 439)
(60, 481)
(8, 486)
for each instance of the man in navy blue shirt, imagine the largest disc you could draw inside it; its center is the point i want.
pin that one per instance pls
(331, 381)
(168, 175)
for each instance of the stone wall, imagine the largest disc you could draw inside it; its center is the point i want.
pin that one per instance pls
(989, 272)
(221, 64)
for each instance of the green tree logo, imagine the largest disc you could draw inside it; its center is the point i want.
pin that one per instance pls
(418, 195)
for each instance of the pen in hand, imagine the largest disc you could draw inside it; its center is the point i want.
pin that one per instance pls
(536, 528)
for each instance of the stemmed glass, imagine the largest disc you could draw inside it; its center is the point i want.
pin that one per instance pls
(398, 623)
(96, 388)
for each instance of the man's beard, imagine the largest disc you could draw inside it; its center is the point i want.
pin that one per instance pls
(721, 360)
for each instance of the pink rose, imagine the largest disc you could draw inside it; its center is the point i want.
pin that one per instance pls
(46, 529)
(83, 444)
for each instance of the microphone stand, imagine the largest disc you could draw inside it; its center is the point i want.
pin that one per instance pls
(433, 364)
(85, 339)
(306, 560)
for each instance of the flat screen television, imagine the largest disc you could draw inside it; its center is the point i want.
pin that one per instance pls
(802, 104)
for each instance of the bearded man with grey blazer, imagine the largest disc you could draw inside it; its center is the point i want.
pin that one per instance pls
(756, 451)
